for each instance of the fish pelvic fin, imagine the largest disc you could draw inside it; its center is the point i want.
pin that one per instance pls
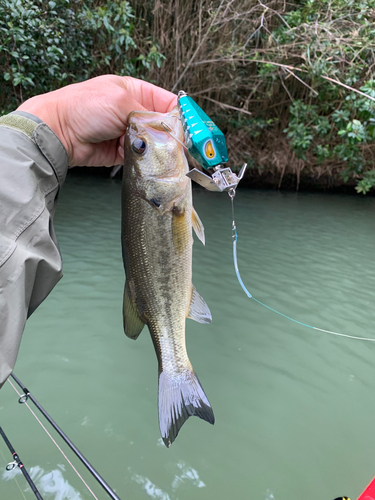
(133, 325)
(197, 226)
(199, 310)
(181, 397)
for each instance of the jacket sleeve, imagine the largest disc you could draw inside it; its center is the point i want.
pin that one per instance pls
(33, 166)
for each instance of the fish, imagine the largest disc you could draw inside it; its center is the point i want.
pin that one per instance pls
(157, 222)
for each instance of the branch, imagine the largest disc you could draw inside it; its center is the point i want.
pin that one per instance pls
(225, 105)
(287, 67)
(300, 80)
(198, 48)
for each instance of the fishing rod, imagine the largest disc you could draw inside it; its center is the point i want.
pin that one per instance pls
(27, 395)
(17, 463)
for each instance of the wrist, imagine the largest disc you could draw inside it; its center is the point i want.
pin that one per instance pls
(49, 111)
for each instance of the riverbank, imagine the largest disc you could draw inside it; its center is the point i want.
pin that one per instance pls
(259, 178)
(291, 85)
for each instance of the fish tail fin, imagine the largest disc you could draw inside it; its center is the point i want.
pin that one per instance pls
(180, 398)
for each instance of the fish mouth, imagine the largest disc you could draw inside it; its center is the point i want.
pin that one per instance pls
(169, 123)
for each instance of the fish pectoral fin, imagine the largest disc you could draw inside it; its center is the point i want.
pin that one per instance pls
(199, 310)
(197, 226)
(133, 325)
(180, 230)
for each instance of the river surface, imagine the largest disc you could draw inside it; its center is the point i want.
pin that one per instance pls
(294, 407)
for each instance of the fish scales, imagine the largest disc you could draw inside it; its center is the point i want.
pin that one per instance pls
(157, 219)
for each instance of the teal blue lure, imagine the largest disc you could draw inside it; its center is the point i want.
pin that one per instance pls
(205, 141)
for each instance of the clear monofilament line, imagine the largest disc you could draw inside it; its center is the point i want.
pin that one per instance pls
(54, 442)
(235, 238)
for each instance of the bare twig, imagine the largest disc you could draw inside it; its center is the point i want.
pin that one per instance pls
(347, 87)
(300, 80)
(285, 88)
(198, 48)
(222, 104)
(277, 14)
(286, 66)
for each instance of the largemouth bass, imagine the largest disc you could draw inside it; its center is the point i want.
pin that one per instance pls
(157, 221)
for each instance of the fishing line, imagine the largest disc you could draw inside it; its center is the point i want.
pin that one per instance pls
(17, 463)
(53, 441)
(23, 400)
(15, 478)
(235, 238)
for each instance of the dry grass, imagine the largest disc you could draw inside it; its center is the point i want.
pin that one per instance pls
(225, 54)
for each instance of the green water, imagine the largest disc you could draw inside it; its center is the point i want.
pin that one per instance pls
(294, 407)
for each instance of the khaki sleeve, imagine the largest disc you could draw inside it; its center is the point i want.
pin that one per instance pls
(33, 166)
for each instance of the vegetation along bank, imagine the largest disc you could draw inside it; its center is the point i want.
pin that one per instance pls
(291, 84)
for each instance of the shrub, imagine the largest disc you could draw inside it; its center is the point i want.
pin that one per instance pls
(45, 45)
(288, 73)
(291, 84)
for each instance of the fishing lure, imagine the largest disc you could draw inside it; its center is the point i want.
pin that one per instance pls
(206, 143)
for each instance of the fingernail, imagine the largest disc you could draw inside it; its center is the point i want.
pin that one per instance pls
(121, 151)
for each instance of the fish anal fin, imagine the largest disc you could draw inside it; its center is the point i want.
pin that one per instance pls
(133, 325)
(199, 310)
(181, 397)
(197, 226)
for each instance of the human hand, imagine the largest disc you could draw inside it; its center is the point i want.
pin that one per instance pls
(90, 118)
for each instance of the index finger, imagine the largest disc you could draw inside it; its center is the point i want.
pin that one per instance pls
(150, 96)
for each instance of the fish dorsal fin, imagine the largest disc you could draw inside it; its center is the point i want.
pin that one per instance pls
(199, 310)
(133, 325)
(197, 226)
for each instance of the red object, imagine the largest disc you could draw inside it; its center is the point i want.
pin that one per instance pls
(369, 493)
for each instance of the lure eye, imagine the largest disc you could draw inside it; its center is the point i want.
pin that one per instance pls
(139, 146)
(209, 150)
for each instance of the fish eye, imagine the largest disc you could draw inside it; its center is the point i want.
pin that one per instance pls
(139, 146)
